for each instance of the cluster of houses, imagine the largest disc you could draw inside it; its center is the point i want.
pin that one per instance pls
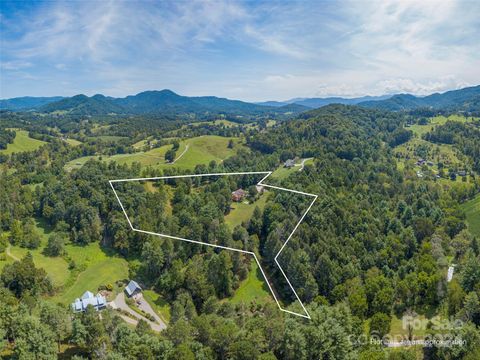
(99, 301)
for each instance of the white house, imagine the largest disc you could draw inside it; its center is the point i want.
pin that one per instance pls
(97, 301)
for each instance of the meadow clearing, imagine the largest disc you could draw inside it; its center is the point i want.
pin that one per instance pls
(22, 143)
(196, 151)
(472, 212)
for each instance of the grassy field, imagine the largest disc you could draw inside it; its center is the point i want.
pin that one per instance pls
(419, 130)
(56, 267)
(242, 212)
(226, 123)
(97, 266)
(21, 143)
(159, 305)
(283, 172)
(472, 211)
(253, 288)
(201, 150)
(73, 142)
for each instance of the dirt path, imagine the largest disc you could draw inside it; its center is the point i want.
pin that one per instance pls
(178, 158)
(302, 165)
(10, 254)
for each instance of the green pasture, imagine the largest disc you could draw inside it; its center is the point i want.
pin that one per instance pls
(472, 212)
(241, 212)
(253, 288)
(22, 143)
(201, 150)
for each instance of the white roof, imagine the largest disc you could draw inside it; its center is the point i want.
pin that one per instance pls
(97, 301)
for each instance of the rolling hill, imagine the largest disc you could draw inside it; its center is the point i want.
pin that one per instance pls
(466, 99)
(164, 102)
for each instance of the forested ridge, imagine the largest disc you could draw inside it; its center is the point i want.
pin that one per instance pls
(376, 245)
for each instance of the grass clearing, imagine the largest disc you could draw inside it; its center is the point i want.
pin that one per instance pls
(472, 212)
(22, 143)
(73, 142)
(100, 269)
(56, 267)
(201, 150)
(253, 288)
(241, 212)
(159, 305)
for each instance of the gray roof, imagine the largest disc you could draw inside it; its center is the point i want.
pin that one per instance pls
(97, 301)
(132, 287)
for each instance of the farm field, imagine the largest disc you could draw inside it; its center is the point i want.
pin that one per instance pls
(253, 288)
(419, 130)
(242, 212)
(22, 143)
(472, 212)
(201, 150)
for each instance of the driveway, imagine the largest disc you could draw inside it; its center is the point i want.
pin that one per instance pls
(120, 303)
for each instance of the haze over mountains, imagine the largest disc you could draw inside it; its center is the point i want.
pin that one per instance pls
(168, 102)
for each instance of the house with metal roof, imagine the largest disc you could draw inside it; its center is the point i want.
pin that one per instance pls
(289, 163)
(132, 288)
(98, 302)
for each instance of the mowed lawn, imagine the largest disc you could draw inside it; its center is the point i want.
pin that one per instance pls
(472, 212)
(201, 150)
(253, 288)
(22, 143)
(241, 212)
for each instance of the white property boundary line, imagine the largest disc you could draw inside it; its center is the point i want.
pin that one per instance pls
(306, 315)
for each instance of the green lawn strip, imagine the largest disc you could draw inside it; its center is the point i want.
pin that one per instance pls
(241, 212)
(22, 143)
(253, 288)
(158, 304)
(73, 142)
(472, 212)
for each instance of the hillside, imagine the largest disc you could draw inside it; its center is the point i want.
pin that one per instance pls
(467, 99)
(164, 102)
(27, 102)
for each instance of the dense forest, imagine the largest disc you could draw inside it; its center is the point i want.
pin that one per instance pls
(376, 245)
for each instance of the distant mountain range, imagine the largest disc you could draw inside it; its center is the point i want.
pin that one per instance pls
(169, 103)
(148, 102)
(466, 99)
(314, 103)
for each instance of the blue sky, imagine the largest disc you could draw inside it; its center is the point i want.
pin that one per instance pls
(251, 51)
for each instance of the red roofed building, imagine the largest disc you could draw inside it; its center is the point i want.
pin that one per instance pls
(238, 195)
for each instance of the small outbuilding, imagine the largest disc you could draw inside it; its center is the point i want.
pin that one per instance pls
(133, 288)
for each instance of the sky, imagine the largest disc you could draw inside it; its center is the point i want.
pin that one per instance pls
(252, 51)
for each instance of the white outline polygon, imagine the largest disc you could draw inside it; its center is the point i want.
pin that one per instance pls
(268, 173)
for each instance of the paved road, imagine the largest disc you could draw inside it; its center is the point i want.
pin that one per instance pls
(120, 303)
